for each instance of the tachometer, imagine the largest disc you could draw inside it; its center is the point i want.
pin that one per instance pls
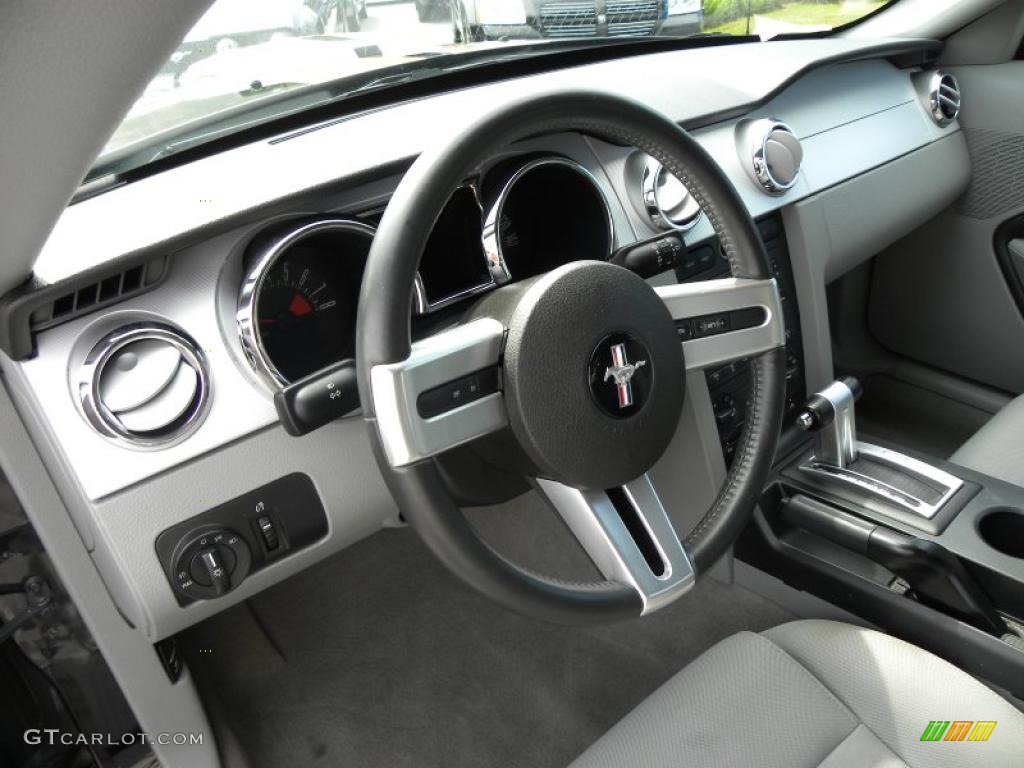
(300, 322)
(297, 307)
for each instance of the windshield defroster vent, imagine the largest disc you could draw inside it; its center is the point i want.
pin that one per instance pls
(99, 292)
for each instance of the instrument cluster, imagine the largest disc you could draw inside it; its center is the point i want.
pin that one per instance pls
(298, 301)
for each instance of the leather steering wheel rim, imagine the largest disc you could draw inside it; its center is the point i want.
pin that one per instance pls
(383, 338)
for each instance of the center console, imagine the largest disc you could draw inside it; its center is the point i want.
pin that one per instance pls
(927, 550)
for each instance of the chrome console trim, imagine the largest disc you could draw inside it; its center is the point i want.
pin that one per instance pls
(888, 493)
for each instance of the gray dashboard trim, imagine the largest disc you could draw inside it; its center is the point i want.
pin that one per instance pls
(713, 83)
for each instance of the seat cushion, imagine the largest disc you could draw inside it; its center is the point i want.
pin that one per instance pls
(997, 449)
(812, 693)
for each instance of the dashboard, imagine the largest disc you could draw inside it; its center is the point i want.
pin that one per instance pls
(147, 361)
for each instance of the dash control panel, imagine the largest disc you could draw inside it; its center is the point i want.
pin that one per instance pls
(730, 384)
(210, 554)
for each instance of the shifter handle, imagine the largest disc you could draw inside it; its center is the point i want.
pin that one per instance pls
(830, 414)
(819, 411)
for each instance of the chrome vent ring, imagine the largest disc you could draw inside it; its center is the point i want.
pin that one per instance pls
(774, 155)
(943, 98)
(667, 201)
(146, 385)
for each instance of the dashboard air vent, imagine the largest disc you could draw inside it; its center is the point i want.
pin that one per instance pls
(145, 384)
(943, 98)
(667, 201)
(773, 154)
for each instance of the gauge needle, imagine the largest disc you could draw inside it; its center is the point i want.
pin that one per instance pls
(300, 306)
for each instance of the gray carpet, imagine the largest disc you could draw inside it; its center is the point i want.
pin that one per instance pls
(379, 657)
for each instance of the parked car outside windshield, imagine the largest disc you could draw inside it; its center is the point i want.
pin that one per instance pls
(241, 53)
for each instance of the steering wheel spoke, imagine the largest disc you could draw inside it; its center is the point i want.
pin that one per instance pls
(445, 393)
(627, 533)
(723, 320)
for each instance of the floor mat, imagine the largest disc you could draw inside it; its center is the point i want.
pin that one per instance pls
(379, 657)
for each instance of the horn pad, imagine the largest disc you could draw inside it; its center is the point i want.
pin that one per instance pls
(594, 375)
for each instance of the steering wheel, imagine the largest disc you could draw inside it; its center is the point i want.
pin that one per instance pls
(578, 374)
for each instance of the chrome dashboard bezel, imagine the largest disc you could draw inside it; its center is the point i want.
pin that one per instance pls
(492, 222)
(252, 284)
(422, 304)
(87, 384)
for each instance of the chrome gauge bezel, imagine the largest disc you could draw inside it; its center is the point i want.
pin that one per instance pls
(649, 182)
(248, 295)
(422, 304)
(104, 421)
(492, 221)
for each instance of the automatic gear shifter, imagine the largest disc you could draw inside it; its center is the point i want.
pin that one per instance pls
(862, 473)
(830, 414)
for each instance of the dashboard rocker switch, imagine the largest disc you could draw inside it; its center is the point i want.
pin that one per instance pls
(268, 532)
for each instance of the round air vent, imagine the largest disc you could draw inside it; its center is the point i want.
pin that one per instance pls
(943, 98)
(774, 155)
(146, 384)
(668, 203)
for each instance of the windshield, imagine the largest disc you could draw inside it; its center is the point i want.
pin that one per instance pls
(235, 64)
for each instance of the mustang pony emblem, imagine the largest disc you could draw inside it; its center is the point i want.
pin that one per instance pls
(621, 370)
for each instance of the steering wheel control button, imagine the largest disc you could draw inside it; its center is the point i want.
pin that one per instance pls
(211, 554)
(722, 322)
(459, 392)
(711, 325)
(620, 375)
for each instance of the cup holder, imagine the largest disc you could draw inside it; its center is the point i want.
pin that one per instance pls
(1003, 530)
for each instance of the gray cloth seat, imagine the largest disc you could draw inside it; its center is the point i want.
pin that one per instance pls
(997, 449)
(812, 693)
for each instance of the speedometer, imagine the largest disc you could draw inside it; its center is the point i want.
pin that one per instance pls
(297, 307)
